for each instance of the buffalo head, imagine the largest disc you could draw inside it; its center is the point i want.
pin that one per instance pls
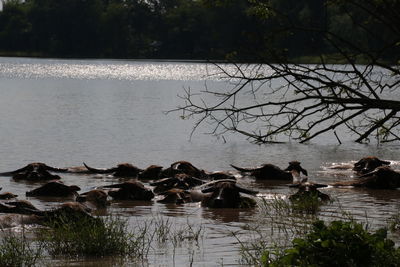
(122, 170)
(131, 190)
(54, 189)
(181, 181)
(224, 194)
(34, 172)
(272, 172)
(381, 178)
(176, 196)
(368, 164)
(95, 197)
(183, 167)
(151, 172)
(307, 191)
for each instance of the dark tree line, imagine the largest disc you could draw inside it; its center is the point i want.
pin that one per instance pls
(184, 29)
(250, 30)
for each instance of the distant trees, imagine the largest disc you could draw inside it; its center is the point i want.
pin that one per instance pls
(190, 29)
(282, 99)
(14, 26)
(186, 29)
(68, 28)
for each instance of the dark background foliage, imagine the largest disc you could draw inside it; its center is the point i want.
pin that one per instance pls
(187, 29)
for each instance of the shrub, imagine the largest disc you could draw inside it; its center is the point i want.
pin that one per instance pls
(339, 244)
(17, 250)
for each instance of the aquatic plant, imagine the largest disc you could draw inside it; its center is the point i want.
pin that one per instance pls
(337, 244)
(394, 223)
(166, 230)
(284, 223)
(17, 250)
(107, 236)
(308, 203)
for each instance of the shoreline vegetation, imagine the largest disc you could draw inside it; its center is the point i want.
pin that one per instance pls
(284, 235)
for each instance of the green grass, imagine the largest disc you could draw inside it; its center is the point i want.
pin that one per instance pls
(106, 237)
(309, 203)
(17, 250)
(95, 238)
(167, 231)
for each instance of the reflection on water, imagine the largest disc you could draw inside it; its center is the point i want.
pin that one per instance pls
(96, 69)
(65, 112)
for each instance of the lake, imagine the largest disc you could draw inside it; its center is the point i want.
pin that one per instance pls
(105, 112)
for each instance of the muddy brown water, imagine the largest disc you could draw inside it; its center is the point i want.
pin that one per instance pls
(104, 112)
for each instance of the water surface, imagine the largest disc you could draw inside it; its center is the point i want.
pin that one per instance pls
(104, 112)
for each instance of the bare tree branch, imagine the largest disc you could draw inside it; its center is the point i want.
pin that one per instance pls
(282, 101)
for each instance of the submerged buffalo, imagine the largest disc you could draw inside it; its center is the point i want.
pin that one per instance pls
(96, 198)
(183, 167)
(152, 172)
(180, 196)
(226, 194)
(180, 181)
(272, 172)
(368, 164)
(7, 195)
(122, 170)
(54, 189)
(68, 212)
(308, 191)
(381, 178)
(34, 172)
(26, 213)
(19, 207)
(130, 190)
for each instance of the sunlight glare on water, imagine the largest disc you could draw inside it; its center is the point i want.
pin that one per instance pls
(96, 69)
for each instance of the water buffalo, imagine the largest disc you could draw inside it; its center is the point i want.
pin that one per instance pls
(94, 198)
(181, 181)
(122, 170)
(180, 196)
(368, 164)
(34, 172)
(20, 207)
(272, 172)
(152, 172)
(307, 191)
(381, 178)
(130, 190)
(183, 167)
(69, 212)
(7, 195)
(54, 189)
(226, 194)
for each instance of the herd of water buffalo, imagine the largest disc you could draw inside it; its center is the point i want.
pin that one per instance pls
(178, 184)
